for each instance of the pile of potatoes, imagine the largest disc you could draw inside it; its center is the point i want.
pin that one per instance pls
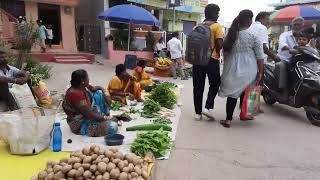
(96, 163)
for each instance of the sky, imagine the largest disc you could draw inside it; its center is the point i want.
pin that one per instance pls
(231, 8)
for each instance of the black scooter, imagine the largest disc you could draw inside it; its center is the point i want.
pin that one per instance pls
(303, 84)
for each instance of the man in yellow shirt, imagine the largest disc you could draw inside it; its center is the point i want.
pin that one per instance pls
(212, 70)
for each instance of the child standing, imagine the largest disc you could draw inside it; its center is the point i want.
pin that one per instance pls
(50, 35)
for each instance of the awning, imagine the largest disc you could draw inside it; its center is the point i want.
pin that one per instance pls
(59, 2)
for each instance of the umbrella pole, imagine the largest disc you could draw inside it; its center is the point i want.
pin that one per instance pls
(129, 38)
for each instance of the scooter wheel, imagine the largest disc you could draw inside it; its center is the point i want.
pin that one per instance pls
(268, 99)
(313, 117)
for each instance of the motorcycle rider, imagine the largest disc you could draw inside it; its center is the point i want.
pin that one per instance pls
(287, 42)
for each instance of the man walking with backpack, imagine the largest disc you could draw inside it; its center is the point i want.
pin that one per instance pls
(203, 51)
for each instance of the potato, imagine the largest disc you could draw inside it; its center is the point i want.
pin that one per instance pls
(63, 164)
(119, 155)
(86, 166)
(72, 173)
(102, 167)
(121, 165)
(129, 176)
(144, 174)
(135, 161)
(126, 169)
(96, 150)
(94, 157)
(125, 162)
(50, 176)
(101, 152)
(123, 176)
(58, 176)
(131, 167)
(97, 173)
(79, 172)
(137, 170)
(108, 154)
(66, 168)
(82, 156)
(129, 158)
(50, 170)
(115, 173)
(86, 151)
(34, 178)
(116, 161)
(106, 176)
(57, 168)
(99, 177)
(87, 159)
(87, 174)
(65, 160)
(140, 178)
(105, 160)
(93, 177)
(93, 168)
(76, 153)
(134, 175)
(42, 175)
(76, 165)
(140, 162)
(114, 150)
(93, 147)
(144, 168)
(110, 166)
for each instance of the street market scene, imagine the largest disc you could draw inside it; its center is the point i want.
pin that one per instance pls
(159, 89)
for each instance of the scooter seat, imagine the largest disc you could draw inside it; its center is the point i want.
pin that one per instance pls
(270, 66)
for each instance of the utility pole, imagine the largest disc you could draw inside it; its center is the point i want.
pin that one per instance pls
(174, 18)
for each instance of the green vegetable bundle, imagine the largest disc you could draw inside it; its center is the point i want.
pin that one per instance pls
(168, 85)
(164, 96)
(149, 127)
(157, 142)
(115, 106)
(149, 108)
(162, 121)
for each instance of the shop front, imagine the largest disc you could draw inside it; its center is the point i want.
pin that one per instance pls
(60, 15)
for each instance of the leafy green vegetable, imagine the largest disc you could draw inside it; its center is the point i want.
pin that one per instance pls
(164, 96)
(149, 116)
(149, 108)
(115, 106)
(168, 85)
(149, 127)
(157, 142)
(162, 121)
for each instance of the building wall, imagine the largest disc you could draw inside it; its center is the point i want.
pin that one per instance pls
(67, 24)
(180, 17)
(68, 30)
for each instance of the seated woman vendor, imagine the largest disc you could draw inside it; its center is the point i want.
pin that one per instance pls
(86, 106)
(123, 85)
(141, 76)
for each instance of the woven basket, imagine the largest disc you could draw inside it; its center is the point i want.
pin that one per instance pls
(162, 71)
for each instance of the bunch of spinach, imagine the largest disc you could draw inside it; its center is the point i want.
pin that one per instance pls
(164, 96)
(115, 106)
(162, 121)
(156, 142)
(150, 107)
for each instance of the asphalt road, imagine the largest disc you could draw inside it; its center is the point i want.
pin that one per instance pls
(279, 145)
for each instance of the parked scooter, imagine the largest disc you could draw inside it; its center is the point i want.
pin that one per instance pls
(303, 84)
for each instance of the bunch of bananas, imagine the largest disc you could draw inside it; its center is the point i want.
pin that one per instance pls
(163, 62)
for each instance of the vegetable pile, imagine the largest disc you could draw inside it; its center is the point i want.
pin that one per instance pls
(156, 142)
(150, 107)
(164, 96)
(162, 121)
(115, 106)
(96, 163)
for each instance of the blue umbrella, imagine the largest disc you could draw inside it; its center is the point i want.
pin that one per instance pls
(129, 14)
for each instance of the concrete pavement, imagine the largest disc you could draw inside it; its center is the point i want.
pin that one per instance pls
(279, 145)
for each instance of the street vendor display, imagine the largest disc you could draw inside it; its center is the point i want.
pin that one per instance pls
(122, 85)
(163, 67)
(141, 76)
(98, 163)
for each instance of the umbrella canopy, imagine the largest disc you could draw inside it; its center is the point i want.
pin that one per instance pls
(129, 14)
(289, 13)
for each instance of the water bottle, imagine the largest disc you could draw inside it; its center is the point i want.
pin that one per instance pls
(56, 138)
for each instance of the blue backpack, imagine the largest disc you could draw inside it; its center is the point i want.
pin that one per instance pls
(199, 50)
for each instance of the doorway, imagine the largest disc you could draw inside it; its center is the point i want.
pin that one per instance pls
(50, 14)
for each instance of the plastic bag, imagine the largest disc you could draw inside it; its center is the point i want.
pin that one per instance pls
(43, 94)
(23, 96)
(251, 101)
(27, 131)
